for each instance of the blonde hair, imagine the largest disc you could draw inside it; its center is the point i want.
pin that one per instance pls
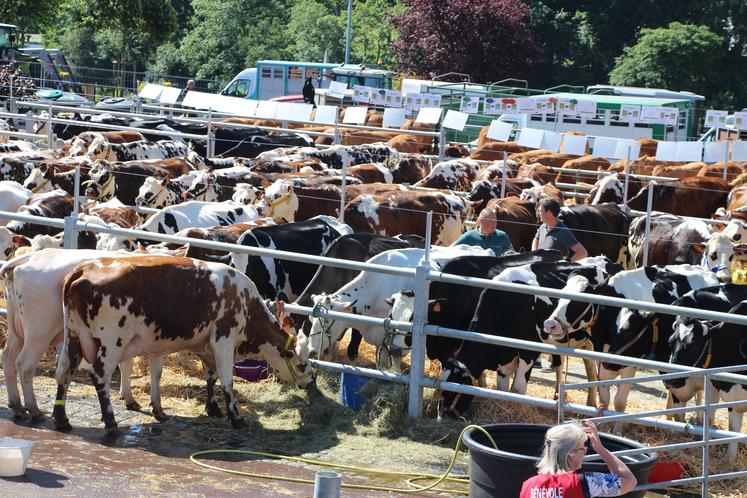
(559, 442)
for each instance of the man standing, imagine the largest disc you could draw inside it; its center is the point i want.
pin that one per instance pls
(309, 92)
(485, 235)
(553, 234)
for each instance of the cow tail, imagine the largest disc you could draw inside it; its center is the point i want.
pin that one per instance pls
(63, 360)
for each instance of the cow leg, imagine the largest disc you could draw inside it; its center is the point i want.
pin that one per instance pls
(621, 396)
(591, 374)
(735, 425)
(354, 344)
(224, 356)
(503, 375)
(101, 376)
(604, 391)
(26, 364)
(125, 389)
(521, 377)
(9, 356)
(559, 374)
(155, 365)
(209, 371)
(75, 356)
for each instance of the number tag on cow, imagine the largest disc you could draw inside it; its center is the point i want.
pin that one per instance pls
(738, 268)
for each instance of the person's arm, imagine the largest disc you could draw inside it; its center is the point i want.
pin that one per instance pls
(461, 239)
(616, 466)
(579, 252)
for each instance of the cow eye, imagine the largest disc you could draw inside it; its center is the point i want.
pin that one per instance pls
(731, 257)
(713, 256)
(738, 236)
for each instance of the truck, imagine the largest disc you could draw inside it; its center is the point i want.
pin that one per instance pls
(273, 79)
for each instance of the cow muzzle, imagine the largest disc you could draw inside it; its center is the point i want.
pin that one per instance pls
(555, 329)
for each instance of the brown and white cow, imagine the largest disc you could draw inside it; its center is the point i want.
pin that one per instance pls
(405, 212)
(80, 143)
(611, 188)
(208, 308)
(409, 168)
(672, 240)
(371, 173)
(456, 174)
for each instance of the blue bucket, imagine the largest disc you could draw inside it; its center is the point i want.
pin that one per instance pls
(350, 386)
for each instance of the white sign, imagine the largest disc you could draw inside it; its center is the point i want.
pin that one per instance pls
(530, 137)
(689, 151)
(652, 115)
(150, 91)
(490, 106)
(715, 152)
(469, 104)
(288, 111)
(355, 115)
(715, 119)
(587, 107)
(429, 115)
(337, 89)
(326, 114)
(413, 101)
(739, 151)
(526, 105)
(393, 118)
(574, 144)
(499, 130)
(378, 96)
(605, 146)
(740, 120)
(551, 141)
(169, 95)
(198, 100)
(621, 150)
(392, 98)
(244, 107)
(455, 120)
(629, 113)
(267, 109)
(567, 106)
(361, 94)
(670, 115)
(666, 151)
(432, 100)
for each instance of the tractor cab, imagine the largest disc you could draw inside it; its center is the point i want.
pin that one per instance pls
(7, 36)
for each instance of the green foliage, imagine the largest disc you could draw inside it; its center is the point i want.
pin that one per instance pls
(28, 15)
(680, 56)
(315, 31)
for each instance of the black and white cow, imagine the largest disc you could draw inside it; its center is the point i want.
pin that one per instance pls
(699, 344)
(338, 156)
(517, 316)
(649, 284)
(17, 167)
(135, 151)
(56, 204)
(273, 275)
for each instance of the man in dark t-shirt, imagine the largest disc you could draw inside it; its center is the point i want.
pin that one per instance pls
(553, 234)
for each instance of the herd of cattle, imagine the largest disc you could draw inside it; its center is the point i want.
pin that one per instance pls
(115, 298)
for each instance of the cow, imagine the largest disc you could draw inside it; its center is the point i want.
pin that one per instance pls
(611, 188)
(135, 151)
(158, 193)
(409, 168)
(274, 275)
(672, 240)
(518, 316)
(56, 205)
(123, 180)
(589, 163)
(496, 169)
(12, 196)
(17, 146)
(483, 191)
(216, 186)
(17, 167)
(208, 308)
(371, 173)
(733, 170)
(536, 172)
(697, 344)
(246, 193)
(650, 284)
(80, 143)
(327, 279)
(680, 171)
(392, 213)
(517, 218)
(456, 174)
(698, 197)
(52, 176)
(338, 156)
(366, 294)
(31, 279)
(113, 211)
(494, 151)
(297, 202)
(539, 192)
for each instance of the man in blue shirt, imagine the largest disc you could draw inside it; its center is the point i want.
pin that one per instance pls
(485, 235)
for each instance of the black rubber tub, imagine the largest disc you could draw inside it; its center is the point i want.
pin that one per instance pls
(500, 473)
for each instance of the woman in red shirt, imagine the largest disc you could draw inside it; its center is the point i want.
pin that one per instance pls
(565, 448)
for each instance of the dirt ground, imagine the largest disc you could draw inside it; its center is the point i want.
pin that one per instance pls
(151, 458)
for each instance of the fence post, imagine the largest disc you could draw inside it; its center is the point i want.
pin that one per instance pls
(561, 403)
(503, 176)
(419, 318)
(648, 221)
(706, 432)
(210, 141)
(627, 180)
(726, 160)
(336, 135)
(29, 124)
(442, 144)
(50, 133)
(343, 192)
(70, 237)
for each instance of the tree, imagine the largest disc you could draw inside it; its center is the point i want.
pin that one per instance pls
(373, 32)
(678, 57)
(315, 32)
(488, 39)
(28, 15)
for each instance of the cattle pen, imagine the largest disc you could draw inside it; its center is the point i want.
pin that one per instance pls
(419, 328)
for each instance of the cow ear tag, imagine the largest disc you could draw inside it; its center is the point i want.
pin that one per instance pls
(437, 308)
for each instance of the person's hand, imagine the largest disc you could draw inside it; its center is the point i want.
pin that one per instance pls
(591, 429)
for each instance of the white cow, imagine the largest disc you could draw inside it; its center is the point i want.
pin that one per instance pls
(13, 195)
(367, 295)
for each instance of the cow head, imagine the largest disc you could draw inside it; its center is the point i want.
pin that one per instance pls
(609, 188)
(284, 358)
(203, 188)
(9, 242)
(451, 404)
(101, 184)
(246, 193)
(100, 149)
(158, 193)
(323, 331)
(718, 255)
(570, 316)
(689, 345)
(39, 180)
(78, 147)
(280, 201)
(736, 230)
